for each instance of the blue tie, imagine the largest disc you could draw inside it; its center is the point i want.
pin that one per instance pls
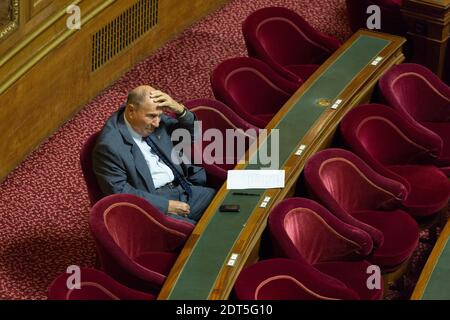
(181, 179)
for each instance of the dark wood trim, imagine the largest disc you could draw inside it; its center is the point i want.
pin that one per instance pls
(428, 31)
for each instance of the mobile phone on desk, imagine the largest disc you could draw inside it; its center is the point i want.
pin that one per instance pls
(230, 208)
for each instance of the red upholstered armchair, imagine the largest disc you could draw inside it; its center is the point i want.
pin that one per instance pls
(94, 285)
(287, 279)
(251, 88)
(400, 149)
(391, 17)
(285, 41)
(303, 230)
(361, 197)
(93, 188)
(418, 93)
(219, 117)
(137, 244)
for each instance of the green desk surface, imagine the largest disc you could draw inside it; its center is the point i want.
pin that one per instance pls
(434, 281)
(211, 251)
(438, 285)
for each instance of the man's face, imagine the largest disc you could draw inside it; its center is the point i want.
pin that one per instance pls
(144, 119)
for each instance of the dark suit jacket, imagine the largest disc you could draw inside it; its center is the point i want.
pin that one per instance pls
(119, 164)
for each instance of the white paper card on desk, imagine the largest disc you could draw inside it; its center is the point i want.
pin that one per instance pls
(255, 179)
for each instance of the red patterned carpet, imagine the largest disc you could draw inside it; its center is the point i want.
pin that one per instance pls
(44, 203)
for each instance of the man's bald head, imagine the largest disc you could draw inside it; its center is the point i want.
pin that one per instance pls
(141, 112)
(139, 96)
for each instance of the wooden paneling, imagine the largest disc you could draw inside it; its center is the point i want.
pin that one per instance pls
(9, 18)
(37, 6)
(29, 21)
(54, 65)
(428, 30)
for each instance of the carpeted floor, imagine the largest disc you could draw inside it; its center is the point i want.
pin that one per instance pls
(44, 204)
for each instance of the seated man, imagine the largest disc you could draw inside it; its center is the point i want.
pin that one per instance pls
(133, 155)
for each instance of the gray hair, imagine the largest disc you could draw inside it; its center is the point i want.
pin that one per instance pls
(137, 97)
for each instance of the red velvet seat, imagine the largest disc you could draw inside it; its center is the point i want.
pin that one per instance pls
(251, 88)
(93, 188)
(418, 93)
(219, 117)
(303, 230)
(399, 149)
(361, 197)
(391, 17)
(286, 42)
(137, 244)
(287, 279)
(94, 285)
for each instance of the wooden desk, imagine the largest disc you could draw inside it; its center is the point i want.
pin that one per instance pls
(201, 271)
(429, 30)
(434, 281)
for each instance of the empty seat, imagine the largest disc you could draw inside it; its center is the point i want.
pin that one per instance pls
(251, 88)
(361, 197)
(137, 244)
(418, 93)
(285, 41)
(400, 149)
(303, 230)
(217, 116)
(287, 279)
(94, 285)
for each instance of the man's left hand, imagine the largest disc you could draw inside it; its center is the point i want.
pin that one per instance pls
(163, 100)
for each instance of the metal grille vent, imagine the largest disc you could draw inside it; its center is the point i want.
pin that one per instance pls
(123, 31)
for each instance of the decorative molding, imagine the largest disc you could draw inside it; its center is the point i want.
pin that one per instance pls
(56, 42)
(37, 6)
(28, 39)
(14, 23)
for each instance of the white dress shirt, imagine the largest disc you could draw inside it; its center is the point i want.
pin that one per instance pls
(160, 172)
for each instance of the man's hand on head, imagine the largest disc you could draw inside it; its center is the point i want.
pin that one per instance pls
(163, 100)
